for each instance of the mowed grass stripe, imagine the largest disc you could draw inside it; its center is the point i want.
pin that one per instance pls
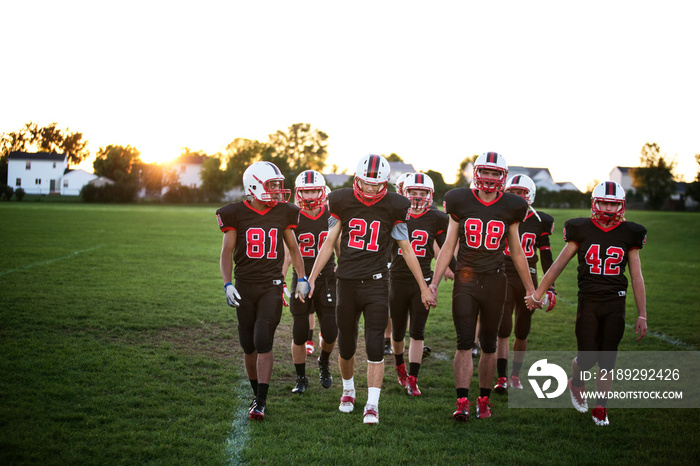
(128, 354)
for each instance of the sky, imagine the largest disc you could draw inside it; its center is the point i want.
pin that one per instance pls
(576, 87)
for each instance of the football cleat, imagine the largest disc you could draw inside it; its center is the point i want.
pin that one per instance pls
(310, 347)
(347, 401)
(501, 385)
(387, 347)
(412, 386)
(462, 412)
(483, 407)
(600, 416)
(324, 373)
(401, 374)
(256, 411)
(371, 415)
(515, 382)
(301, 385)
(577, 398)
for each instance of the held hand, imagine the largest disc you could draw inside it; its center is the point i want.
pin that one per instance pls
(232, 297)
(641, 327)
(303, 288)
(429, 298)
(285, 295)
(449, 275)
(550, 300)
(532, 303)
(433, 287)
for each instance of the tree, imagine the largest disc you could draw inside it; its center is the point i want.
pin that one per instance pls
(301, 148)
(393, 157)
(118, 163)
(439, 184)
(693, 189)
(239, 154)
(464, 174)
(213, 178)
(654, 179)
(42, 139)
(152, 177)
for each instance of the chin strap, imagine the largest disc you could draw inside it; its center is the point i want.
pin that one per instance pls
(535, 212)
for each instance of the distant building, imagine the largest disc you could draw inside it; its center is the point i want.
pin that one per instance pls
(542, 178)
(45, 173)
(623, 177)
(398, 169)
(188, 168)
(335, 180)
(74, 180)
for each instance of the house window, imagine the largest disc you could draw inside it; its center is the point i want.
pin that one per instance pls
(37, 181)
(65, 183)
(54, 165)
(18, 182)
(28, 166)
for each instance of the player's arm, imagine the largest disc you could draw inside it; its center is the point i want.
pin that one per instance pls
(228, 244)
(566, 254)
(640, 298)
(446, 254)
(324, 254)
(519, 259)
(450, 272)
(290, 240)
(427, 296)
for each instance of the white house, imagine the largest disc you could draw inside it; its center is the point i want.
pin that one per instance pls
(74, 180)
(398, 169)
(188, 168)
(36, 173)
(623, 177)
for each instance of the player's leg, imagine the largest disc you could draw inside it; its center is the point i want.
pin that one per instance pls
(523, 323)
(300, 329)
(399, 302)
(587, 342)
(324, 303)
(347, 315)
(491, 300)
(504, 331)
(611, 316)
(417, 321)
(464, 316)
(245, 316)
(376, 314)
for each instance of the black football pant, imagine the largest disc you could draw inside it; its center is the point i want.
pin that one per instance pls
(322, 302)
(258, 315)
(368, 298)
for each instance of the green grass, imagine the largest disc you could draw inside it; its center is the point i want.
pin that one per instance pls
(118, 348)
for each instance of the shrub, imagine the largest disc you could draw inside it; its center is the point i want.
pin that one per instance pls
(19, 194)
(6, 192)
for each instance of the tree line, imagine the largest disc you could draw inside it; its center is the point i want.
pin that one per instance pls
(299, 148)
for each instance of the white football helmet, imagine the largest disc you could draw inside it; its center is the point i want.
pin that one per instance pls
(525, 183)
(608, 191)
(310, 180)
(373, 170)
(399, 183)
(423, 182)
(257, 182)
(490, 161)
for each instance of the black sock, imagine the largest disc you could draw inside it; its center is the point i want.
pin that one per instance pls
(325, 356)
(501, 366)
(516, 368)
(602, 402)
(301, 369)
(261, 397)
(484, 392)
(399, 359)
(413, 368)
(254, 385)
(311, 335)
(462, 393)
(577, 382)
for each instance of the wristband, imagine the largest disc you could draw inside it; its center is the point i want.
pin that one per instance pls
(303, 279)
(229, 283)
(538, 301)
(643, 318)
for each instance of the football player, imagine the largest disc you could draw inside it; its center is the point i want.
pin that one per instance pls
(605, 244)
(254, 233)
(365, 218)
(535, 231)
(481, 219)
(425, 225)
(310, 193)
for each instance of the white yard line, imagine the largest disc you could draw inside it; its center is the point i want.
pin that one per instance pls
(50, 261)
(666, 339)
(240, 432)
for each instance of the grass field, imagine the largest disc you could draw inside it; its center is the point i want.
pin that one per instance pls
(118, 348)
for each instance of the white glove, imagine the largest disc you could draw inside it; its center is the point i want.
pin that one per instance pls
(285, 295)
(303, 287)
(232, 296)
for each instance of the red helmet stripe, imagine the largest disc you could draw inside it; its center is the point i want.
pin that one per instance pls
(516, 179)
(309, 177)
(373, 166)
(419, 178)
(610, 188)
(492, 157)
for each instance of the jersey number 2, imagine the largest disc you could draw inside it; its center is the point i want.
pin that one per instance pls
(611, 264)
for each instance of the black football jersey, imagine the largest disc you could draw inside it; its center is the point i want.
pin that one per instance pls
(534, 236)
(422, 231)
(365, 241)
(603, 255)
(311, 233)
(259, 251)
(483, 227)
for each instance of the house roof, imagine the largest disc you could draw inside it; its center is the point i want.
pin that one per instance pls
(336, 179)
(189, 159)
(17, 155)
(402, 167)
(529, 171)
(623, 170)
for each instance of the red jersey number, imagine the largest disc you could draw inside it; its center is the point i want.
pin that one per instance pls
(420, 239)
(256, 244)
(527, 240)
(609, 265)
(358, 231)
(490, 236)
